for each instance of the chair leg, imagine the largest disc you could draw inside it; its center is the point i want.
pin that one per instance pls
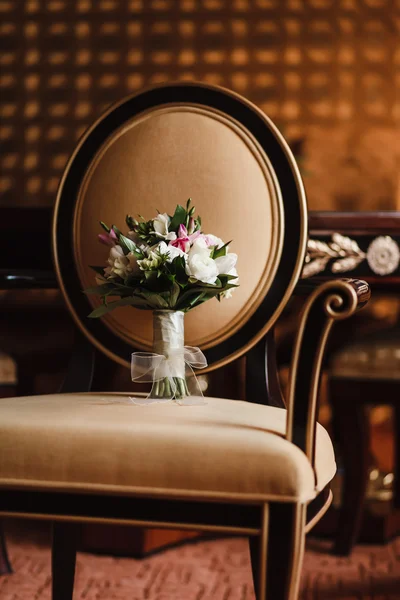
(277, 556)
(351, 424)
(63, 560)
(5, 565)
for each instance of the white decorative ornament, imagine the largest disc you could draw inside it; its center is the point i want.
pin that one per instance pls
(346, 252)
(383, 255)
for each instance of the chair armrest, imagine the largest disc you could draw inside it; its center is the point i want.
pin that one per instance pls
(305, 287)
(328, 302)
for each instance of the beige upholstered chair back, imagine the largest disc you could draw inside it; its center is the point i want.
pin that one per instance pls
(155, 150)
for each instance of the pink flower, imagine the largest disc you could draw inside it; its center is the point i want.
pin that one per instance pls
(108, 239)
(213, 240)
(182, 231)
(182, 241)
(196, 236)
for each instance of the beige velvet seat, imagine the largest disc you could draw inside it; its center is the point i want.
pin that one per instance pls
(243, 468)
(100, 442)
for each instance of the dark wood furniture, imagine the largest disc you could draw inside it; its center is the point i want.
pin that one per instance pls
(349, 399)
(357, 379)
(129, 492)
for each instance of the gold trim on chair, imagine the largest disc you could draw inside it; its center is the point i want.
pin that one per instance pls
(331, 301)
(128, 331)
(278, 217)
(223, 529)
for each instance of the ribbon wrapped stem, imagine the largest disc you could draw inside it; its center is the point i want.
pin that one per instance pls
(170, 366)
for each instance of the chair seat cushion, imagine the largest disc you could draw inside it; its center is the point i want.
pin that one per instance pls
(101, 443)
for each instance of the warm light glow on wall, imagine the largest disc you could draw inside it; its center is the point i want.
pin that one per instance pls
(324, 70)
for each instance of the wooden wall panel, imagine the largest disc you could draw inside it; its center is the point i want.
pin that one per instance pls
(327, 71)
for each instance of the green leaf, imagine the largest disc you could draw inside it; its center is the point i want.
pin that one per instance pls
(185, 298)
(225, 278)
(105, 227)
(196, 299)
(102, 290)
(140, 302)
(116, 230)
(126, 244)
(179, 218)
(195, 295)
(174, 294)
(228, 287)
(118, 233)
(177, 268)
(200, 299)
(123, 289)
(157, 281)
(129, 245)
(106, 308)
(150, 276)
(197, 223)
(206, 297)
(189, 304)
(200, 284)
(221, 251)
(131, 282)
(99, 270)
(154, 299)
(130, 221)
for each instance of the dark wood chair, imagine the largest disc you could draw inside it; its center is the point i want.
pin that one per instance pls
(231, 467)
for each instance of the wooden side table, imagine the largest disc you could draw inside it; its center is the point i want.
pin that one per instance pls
(366, 372)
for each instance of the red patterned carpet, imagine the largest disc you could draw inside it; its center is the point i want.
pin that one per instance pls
(212, 570)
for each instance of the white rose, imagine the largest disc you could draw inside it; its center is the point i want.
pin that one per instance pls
(228, 293)
(161, 224)
(200, 265)
(200, 245)
(213, 240)
(173, 252)
(116, 263)
(226, 263)
(227, 266)
(133, 266)
(119, 264)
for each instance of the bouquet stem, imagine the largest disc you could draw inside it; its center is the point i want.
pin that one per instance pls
(163, 389)
(168, 341)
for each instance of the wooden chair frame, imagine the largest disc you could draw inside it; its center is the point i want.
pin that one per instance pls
(277, 530)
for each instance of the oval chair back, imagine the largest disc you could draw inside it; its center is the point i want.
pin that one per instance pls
(154, 150)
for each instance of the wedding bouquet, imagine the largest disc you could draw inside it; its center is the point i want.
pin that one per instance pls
(170, 266)
(164, 263)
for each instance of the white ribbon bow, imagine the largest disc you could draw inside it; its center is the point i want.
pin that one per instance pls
(148, 367)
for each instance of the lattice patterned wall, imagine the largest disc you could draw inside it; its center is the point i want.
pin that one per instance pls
(327, 71)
